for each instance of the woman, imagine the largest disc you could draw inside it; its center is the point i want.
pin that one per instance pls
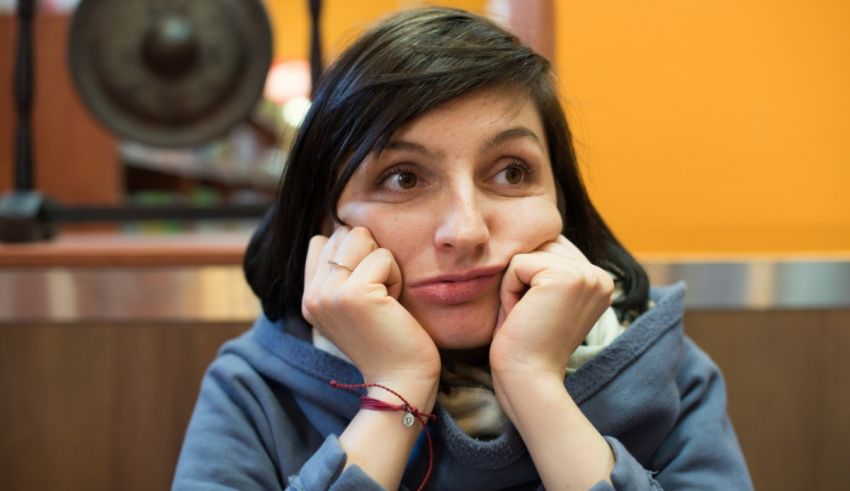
(434, 250)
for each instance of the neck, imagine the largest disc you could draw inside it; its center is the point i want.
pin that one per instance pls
(472, 356)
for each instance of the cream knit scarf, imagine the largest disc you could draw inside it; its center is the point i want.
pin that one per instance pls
(466, 391)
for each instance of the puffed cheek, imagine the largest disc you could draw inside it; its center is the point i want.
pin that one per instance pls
(392, 229)
(544, 223)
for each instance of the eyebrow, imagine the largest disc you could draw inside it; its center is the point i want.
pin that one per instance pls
(409, 146)
(497, 139)
(512, 134)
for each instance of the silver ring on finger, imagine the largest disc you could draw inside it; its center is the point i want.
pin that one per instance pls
(340, 265)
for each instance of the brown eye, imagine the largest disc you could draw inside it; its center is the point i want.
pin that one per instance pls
(514, 174)
(401, 180)
(406, 180)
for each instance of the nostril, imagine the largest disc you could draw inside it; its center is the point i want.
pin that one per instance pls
(463, 225)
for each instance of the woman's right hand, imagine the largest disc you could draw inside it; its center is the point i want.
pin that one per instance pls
(358, 310)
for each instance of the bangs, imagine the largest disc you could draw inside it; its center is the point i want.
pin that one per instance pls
(400, 70)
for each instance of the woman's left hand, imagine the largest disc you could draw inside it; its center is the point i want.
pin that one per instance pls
(551, 298)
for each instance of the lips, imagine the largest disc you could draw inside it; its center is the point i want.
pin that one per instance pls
(457, 288)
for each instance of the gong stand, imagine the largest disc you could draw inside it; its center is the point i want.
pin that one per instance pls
(164, 73)
(315, 44)
(23, 211)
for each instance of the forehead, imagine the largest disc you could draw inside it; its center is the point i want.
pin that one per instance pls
(476, 115)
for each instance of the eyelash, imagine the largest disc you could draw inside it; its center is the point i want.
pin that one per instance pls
(522, 166)
(396, 170)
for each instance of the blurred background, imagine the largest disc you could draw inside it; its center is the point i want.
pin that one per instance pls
(712, 135)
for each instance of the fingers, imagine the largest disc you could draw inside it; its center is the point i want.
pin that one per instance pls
(563, 246)
(346, 247)
(566, 249)
(369, 264)
(349, 253)
(519, 276)
(314, 251)
(596, 275)
(317, 251)
(323, 267)
(559, 264)
(354, 245)
(379, 267)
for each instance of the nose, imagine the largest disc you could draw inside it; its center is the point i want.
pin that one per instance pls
(463, 224)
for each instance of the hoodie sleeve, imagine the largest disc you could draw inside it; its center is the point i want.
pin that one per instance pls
(322, 471)
(701, 451)
(241, 437)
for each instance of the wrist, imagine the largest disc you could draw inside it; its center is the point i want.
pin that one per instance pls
(521, 394)
(377, 420)
(421, 393)
(526, 374)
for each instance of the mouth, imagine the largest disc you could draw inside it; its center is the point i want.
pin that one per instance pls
(457, 288)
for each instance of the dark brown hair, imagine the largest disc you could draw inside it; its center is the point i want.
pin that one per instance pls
(403, 67)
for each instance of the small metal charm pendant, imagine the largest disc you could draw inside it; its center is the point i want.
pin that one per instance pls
(408, 420)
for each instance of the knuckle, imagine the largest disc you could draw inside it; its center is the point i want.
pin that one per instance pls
(360, 231)
(581, 283)
(580, 280)
(310, 308)
(517, 260)
(607, 284)
(316, 245)
(603, 279)
(306, 314)
(576, 278)
(342, 298)
(382, 254)
(361, 235)
(321, 300)
(327, 301)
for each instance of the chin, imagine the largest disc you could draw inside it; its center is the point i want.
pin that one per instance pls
(459, 328)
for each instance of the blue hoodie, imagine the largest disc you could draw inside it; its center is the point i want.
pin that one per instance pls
(266, 418)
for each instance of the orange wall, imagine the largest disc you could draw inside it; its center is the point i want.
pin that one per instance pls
(342, 20)
(703, 127)
(716, 127)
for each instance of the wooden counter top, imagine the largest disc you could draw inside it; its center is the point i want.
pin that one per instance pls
(111, 249)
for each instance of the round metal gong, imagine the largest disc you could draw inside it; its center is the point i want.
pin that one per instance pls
(170, 73)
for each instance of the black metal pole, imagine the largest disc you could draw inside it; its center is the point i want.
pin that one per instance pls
(315, 43)
(23, 97)
(105, 214)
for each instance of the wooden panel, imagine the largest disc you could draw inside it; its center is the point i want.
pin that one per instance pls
(787, 376)
(75, 158)
(99, 407)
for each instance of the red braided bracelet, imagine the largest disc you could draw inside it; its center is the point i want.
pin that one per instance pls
(411, 415)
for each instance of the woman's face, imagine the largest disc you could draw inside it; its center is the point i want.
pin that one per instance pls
(454, 196)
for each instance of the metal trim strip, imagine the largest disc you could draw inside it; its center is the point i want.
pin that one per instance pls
(220, 294)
